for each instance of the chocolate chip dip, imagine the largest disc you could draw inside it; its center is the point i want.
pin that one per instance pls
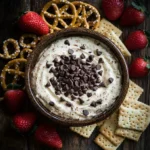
(77, 77)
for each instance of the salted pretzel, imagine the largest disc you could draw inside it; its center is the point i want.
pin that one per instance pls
(15, 68)
(31, 44)
(88, 15)
(63, 14)
(6, 54)
(25, 53)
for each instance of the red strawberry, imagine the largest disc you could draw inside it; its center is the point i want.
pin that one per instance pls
(34, 23)
(24, 122)
(14, 99)
(113, 9)
(46, 134)
(136, 40)
(139, 67)
(134, 15)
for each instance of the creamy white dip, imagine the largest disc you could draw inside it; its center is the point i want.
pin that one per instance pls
(107, 94)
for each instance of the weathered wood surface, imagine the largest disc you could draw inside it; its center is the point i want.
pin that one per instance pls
(9, 139)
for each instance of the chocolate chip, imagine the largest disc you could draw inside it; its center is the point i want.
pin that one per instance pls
(99, 101)
(55, 60)
(110, 80)
(47, 85)
(98, 44)
(81, 101)
(89, 94)
(66, 94)
(73, 97)
(73, 57)
(57, 92)
(51, 103)
(52, 70)
(73, 67)
(82, 47)
(100, 60)
(82, 56)
(85, 112)
(67, 42)
(62, 99)
(98, 52)
(91, 57)
(98, 67)
(95, 88)
(70, 51)
(68, 104)
(100, 72)
(102, 84)
(93, 104)
(48, 65)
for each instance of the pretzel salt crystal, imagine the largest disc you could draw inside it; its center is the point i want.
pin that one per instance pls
(60, 14)
(7, 54)
(13, 67)
(31, 44)
(86, 13)
(25, 51)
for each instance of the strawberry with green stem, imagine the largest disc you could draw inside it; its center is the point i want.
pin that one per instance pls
(137, 40)
(134, 14)
(139, 67)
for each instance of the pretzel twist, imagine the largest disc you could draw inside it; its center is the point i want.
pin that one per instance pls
(87, 15)
(6, 54)
(25, 51)
(13, 67)
(60, 14)
(31, 44)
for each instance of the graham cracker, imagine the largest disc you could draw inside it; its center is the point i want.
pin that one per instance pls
(104, 143)
(136, 119)
(109, 127)
(84, 131)
(106, 26)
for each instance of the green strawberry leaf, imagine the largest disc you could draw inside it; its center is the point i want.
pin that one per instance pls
(14, 86)
(148, 66)
(139, 5)
(147, 59)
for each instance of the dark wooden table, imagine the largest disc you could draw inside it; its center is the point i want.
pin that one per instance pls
(9, 139)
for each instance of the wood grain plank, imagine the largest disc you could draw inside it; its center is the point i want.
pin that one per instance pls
(9, 11)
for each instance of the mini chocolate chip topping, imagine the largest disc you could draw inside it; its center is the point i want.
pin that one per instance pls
(98, 52)
(82, 47)
(68, 104)
(101, 60)
(47, 65)
(70, 51)
(62, 99)
(110, 80)
(89, 94)
(81, 101)
(74, 76)
(82, 56)
(99, 101)
(85, 112)
(47, 84)
(93, 104)
(67, 42)
(51, 103)
(100, 73)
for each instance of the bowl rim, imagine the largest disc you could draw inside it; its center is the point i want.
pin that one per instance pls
(48, 39)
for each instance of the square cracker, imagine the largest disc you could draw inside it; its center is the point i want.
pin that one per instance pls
(106, 26)
(109, 127)
(134, 91)
(127, 133)
(136, 119)
(104, 143)
(84, 131)
(117, 41)
(99, 124)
